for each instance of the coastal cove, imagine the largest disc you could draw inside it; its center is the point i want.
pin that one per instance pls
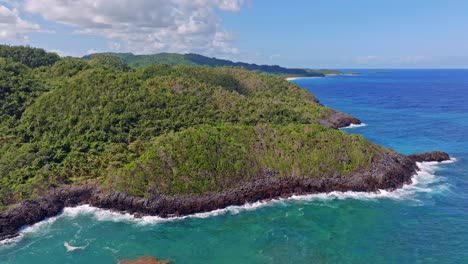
(312, 227)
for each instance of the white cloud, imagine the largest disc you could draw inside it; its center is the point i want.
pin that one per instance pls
(92, 51)
(233, 6)
(63, 53)
(13, 27)
(145, 26)
(274, 56)
(10, 3)
(222, 40)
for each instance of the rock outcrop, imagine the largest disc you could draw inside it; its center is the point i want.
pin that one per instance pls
(33, 211)
(390, 172)
(430, 156)
(339, 120)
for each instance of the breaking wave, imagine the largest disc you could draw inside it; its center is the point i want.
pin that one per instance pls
(354, 126)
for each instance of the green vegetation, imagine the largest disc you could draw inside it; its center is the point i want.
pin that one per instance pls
(30, 57)
(196, 59)
(177, 130)
(208, 159)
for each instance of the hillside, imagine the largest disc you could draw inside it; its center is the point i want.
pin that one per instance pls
(196, 59)
(197, 129)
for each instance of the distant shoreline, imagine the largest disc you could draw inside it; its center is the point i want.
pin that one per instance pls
(295, 78)
(291, 78)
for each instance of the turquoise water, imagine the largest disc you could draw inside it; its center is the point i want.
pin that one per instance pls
(427, 222)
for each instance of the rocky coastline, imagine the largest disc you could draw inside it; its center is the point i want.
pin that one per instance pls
(390, 172)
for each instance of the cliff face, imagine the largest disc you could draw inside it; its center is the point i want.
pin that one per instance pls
(391, 171)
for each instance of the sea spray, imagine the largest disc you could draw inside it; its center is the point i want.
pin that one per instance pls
(354, 126)
(32, 229)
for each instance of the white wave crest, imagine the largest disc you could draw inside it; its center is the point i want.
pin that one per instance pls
(354, 126)
(73, 248)
(233, 209)
(422, 182)
(32, 229)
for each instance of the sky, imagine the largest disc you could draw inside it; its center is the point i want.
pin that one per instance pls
(294, 33)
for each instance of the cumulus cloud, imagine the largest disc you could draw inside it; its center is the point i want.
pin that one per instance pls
(13, 27)
(145, 26)
(91, 51)
(63, 53)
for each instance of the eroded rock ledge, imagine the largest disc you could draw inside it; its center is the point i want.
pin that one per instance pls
(430, 156)
(390, 172)
(339, 120)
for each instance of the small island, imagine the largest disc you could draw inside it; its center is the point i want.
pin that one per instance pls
(170, 140)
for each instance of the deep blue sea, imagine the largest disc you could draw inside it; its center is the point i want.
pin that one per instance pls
(426, 222)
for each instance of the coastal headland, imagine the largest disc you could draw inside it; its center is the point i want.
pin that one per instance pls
(170, 140)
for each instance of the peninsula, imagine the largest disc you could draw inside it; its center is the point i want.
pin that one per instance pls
(170, 140)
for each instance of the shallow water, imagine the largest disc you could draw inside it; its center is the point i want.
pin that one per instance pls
(426, 222)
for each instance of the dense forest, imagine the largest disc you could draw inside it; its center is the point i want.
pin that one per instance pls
(196, 59)
(176, 130)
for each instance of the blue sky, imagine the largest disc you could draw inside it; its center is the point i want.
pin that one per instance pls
(295, 33)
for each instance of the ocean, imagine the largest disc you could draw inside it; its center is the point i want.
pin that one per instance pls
(426, 222)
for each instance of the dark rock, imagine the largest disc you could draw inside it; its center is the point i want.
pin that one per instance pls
(339, 120)
(430, 156)
(145, 260)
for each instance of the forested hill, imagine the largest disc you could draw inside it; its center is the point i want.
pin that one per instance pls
(160, 129)
(196, 59)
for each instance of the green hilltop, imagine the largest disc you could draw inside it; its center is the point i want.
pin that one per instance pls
(196, 59)
(177, 130)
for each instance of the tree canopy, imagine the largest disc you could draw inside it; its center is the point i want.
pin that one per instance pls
(31, 57)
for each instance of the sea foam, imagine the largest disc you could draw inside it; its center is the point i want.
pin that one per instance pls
(354, 126)
(425, 181)
(73, 248)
